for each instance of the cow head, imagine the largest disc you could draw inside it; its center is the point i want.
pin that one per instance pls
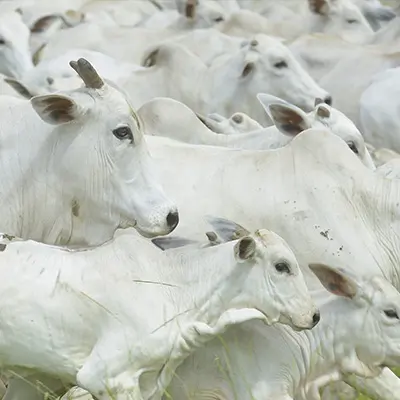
(339, 17)
(104, 163)
(270, 67)
(369, 316)
(274, 271)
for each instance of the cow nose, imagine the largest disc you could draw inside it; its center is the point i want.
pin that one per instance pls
(172, 219)
(328, 100)
(316, 317)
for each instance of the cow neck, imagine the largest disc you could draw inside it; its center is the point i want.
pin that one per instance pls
(216, 276)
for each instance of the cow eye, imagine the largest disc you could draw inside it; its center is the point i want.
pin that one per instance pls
(2, 41)
(353, 147)
(392, 314)
(283, 268)
(218, 19)
(123, 132)
(281, 64)
(351, 21)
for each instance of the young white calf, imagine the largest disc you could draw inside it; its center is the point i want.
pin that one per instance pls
(236, 123)
(75, 167)
(105, 317)
(170, 118)
(361, 335)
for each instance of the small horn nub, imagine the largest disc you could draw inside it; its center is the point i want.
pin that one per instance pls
(88, 74)
(190, 9)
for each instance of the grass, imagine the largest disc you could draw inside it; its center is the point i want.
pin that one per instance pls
(362, 397)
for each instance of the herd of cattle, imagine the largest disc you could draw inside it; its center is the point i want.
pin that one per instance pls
(199, 199)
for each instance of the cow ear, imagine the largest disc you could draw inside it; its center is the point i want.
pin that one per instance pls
(226, 229)
(55, 109)
(44, 23)
(245, 248)
(19, 87)
(335, 281)
(172, 242)
(320, 7)
(289, 119)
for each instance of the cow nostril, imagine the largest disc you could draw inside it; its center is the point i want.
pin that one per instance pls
(173, 219)
(328, 100)
(316, 317)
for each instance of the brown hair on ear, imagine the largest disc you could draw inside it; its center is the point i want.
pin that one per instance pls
(245, 248)
(335, 281)
(60, 110)
(319, 6)
(41, 24)
(54, 109)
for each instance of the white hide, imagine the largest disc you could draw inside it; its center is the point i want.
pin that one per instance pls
(15, 56)
(379, 110)
(55, 74)
(341, 18)
(236, 123)
(313, 192)
(253, 362)
(134, 310)
(391, 169)
(351, 76)
(169, 118)
(229, 82)
(232, 81)
(68, 178)
(315, 168)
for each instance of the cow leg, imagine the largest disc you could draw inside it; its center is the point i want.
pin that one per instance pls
(112, 370)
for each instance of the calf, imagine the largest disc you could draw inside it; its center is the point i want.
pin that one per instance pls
(250, 362)
(167, 117)
(100, 318)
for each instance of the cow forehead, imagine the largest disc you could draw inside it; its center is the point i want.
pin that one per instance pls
(269, 238)
(379, 290)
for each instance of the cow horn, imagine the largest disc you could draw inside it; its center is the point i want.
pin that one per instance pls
(190, 9)
(88, 74)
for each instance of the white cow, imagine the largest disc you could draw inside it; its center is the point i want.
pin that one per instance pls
(230, 83)
(377, 14)
(251, 362)
(15, 55)
(313, 192)
(237, 123)
(319, 53)
(352, 75)
(246, 68)
(55, 74)
(337, 17)
(75, 167)
(100, 318)
(379, 107)
(170, 118)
